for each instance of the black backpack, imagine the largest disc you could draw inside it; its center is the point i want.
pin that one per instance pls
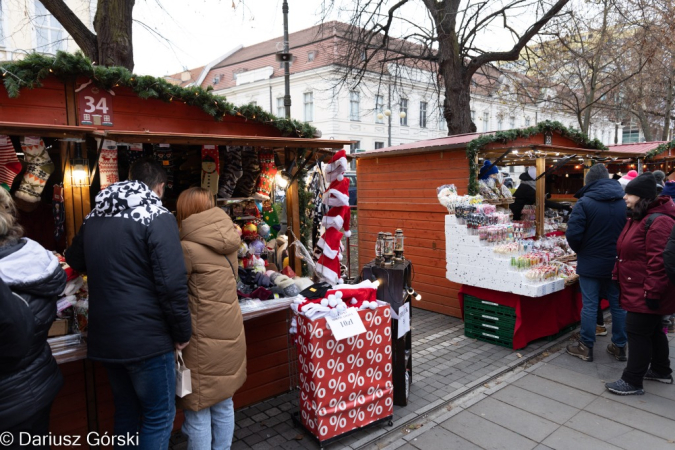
(669, 251)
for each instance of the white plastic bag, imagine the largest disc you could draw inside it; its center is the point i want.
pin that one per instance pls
(183, 377)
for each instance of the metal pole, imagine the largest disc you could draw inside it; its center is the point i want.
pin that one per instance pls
(390, 113)
(287, 72)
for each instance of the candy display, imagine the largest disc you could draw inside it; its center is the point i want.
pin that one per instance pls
(447, 196)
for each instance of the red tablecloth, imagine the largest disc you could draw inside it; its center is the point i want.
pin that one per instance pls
(535, 317)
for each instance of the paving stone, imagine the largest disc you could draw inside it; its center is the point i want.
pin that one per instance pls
(441, 438)
(639, 440)
(563, 394)
(486, 434)
(242, 433)
(259, 417)
(571, 378)
(514, 419)
(245, 422)
(597, 426)
(536, 404)
(240, 445)
(264, 445)
(627, 415)
(648, 402)
(542, 447)
(567, 439)
(253, 439)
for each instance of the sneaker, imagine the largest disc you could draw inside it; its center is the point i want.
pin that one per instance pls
(620, 387)
(617, 352)
(580, 351)
(653, 376)
(600, 330)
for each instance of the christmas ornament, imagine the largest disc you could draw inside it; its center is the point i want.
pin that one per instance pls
(243, 250)
(257, 247)
(238, 228)
(10, 166)
(263, 230)
(267, 172)
(40, 167)
(249, 230)
(210, 168)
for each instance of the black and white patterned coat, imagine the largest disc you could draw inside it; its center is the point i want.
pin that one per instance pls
(130, 249)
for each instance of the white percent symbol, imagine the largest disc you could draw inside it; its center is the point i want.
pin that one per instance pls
(356, 379)
(334, 365)
(374, 374)
(355, 342)
(374, 356)
(316, 351)
(335, 347)
(338, 422)
(323, 430)
(373, 338)
(355, 361)
(317, 371)
(357, 415)
(374, 408)
(387, 368)
(387, 331)
(337, 385)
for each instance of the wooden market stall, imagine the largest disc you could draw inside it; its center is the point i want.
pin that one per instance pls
(147, 110)
(397, 188)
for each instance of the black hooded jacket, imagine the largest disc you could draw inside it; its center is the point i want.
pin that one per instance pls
(130, 249)
(30, 378)
(526, 194)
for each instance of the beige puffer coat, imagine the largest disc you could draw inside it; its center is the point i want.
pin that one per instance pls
(216, 355)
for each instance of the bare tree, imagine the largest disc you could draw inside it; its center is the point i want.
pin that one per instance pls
(450, 44)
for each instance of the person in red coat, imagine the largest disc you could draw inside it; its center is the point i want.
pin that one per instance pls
(646, 292)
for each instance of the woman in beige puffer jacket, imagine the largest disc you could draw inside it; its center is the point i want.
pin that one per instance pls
(216, 355)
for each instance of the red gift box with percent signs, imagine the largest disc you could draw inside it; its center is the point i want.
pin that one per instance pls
(345, 384)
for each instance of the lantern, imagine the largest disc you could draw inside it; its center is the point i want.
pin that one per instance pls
(79, 169)
(388, 250)
(398, 245)
(379, 243)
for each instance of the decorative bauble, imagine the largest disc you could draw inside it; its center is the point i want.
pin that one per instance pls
(257, 247)
(243, 250)
(264, 230)
(238, 228)
(250, 229)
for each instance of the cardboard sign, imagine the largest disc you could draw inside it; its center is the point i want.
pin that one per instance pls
(95, 106)
(348, 324)
(403, 320)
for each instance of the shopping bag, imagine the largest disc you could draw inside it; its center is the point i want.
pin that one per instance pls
(183, 377)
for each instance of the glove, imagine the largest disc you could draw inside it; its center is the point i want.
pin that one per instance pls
(652, 303)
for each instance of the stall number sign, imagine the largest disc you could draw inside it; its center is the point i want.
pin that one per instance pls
(403, 320)
(346, 325)
(95, 106)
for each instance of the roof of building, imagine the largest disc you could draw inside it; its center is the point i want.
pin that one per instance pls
(638, 147)
(190, 76)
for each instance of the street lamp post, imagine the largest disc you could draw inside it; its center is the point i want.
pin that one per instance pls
(287, 72)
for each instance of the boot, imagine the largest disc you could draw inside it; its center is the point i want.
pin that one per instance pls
(619, 353)
(580, 350)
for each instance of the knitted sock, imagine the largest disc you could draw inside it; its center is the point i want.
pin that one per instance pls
(232, 171)
(10, 166)
(107, 164)
(210, 168)
(40, 167)
(251, 168)
(268, 171)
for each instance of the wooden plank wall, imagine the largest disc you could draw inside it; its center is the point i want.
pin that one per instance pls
(400, 192)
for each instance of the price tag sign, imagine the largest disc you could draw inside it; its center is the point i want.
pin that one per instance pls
(95, 106)
(347, 324)
(403, 320)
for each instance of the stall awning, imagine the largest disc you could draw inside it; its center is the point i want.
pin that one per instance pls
(49, 131)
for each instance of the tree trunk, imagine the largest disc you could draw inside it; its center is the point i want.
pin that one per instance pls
(113, 25)
(668, 108)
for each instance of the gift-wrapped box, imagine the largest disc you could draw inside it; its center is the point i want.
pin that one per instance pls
(345, 384)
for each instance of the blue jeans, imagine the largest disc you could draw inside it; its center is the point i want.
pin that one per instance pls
(592, 290)
(144, 393)
(210, 428)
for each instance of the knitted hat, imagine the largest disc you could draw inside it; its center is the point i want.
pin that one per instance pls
(329, 269)
(329, 243)
(337, 193)
(643, 186)
(338, 217)
(487, 170)
(597, 172)
(669, 189)
(336, 167)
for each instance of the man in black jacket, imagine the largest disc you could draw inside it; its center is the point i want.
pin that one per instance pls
(592, 232)
(526, 194)
(138, 304)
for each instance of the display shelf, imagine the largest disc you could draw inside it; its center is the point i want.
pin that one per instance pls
(229, 201)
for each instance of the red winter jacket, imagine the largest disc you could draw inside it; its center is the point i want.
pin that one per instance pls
(639, 265)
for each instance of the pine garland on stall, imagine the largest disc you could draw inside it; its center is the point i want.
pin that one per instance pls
(660, 149)
(504, 137)
(30, 71)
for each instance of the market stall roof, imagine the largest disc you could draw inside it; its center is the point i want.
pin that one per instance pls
(215, 139)
(50, 131)
(636, 148)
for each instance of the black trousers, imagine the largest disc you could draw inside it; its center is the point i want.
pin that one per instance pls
(647, 345)
(36, 425)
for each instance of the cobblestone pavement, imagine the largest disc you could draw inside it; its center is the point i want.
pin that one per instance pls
(446, 365)
(557, 403)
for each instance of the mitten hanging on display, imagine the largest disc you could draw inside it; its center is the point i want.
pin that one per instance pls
(40, 167)
(267, 173)
(232, 171)
(10, 166)
(251, 168)
(210, 168)
(58, 211)
(107, 164)
(164, 155)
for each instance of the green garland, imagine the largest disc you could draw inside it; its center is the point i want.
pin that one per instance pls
(504, 137)
(29, 73)
(660, 149)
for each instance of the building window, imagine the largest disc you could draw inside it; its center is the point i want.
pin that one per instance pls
(527, 121)
(442, 124)
(379, 145)
(404, 111)
(473, 116)
(423, 114)
(512, 122)
(311, 56)
(281, 110)
(379, 108)
(500, 123)
(309, 106)
(354, 105)
(486, 120)
(51, 36)
(2, 31)
(354, 148)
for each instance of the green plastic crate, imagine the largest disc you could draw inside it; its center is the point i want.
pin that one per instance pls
(486, 336)
(487, 317)
(504, 330)
(483, 306)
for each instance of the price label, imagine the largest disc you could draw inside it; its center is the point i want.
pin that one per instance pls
(346, 325)
(403, 320)
(95, 106)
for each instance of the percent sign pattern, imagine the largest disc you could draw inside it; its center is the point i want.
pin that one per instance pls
(345, 385)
